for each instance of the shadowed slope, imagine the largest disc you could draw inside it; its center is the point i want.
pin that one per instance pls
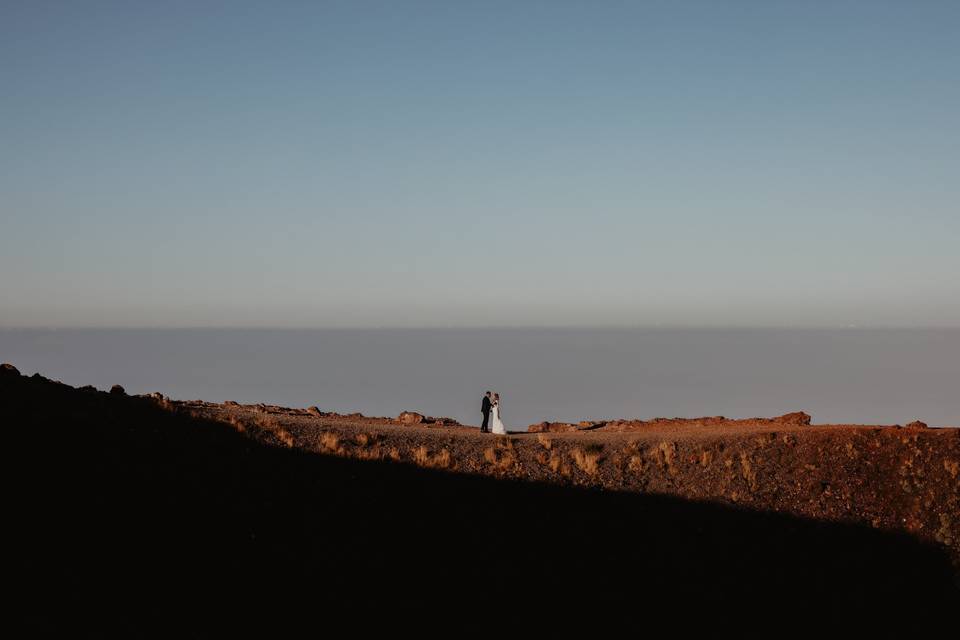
(133, 517)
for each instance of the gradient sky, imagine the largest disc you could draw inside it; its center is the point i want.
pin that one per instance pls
(490, 163)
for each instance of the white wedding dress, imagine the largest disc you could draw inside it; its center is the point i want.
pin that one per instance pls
(497, 422)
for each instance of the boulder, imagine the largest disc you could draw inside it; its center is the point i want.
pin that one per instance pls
(117, 390)
(7, 369)
(410, 417)
(314, 411)
(916, 424)
(797, 417)
(230, 403)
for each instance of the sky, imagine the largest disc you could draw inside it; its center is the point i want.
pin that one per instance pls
(395, 164)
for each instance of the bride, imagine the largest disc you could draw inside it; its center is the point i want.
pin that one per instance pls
(497, 422)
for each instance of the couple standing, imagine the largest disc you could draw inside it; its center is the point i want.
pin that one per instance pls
(491, 404)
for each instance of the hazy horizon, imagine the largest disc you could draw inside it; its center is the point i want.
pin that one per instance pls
(492, 327)
(426, 164)
(836, 375)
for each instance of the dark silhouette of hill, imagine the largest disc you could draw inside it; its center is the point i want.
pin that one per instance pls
(129, 519)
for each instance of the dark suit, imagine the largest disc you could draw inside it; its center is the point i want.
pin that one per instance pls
(485, 410)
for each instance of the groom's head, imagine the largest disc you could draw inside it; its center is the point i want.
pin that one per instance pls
(489, 393)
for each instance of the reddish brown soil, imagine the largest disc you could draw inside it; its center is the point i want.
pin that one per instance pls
(886, 477)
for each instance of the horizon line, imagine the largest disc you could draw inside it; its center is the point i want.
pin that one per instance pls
(491, 327)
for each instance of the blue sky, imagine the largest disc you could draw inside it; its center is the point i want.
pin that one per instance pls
(300, 164)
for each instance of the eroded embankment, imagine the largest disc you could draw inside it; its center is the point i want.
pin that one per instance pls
(891, 478)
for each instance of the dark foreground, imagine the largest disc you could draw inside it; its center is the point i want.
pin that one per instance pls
(129, 519)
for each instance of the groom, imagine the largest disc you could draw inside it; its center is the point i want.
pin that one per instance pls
(485, 410)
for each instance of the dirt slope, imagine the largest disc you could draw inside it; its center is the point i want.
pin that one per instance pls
(886, 477)
(139, 517)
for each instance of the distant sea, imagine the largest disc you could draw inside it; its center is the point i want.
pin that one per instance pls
(853, 375)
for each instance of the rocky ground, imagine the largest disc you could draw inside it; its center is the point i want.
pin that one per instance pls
(145, 516)
(896, 478)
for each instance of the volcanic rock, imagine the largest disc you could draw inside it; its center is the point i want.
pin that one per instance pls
(587, 425)
(797, 417)
(552, 427)
(411, 417)
(7, 369)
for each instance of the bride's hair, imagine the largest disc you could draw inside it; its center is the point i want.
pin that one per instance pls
(496, 396)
